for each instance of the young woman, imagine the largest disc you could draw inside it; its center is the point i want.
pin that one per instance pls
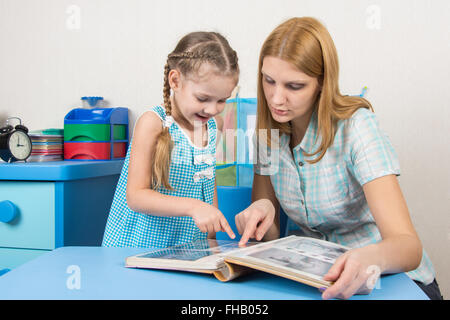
(336, 172)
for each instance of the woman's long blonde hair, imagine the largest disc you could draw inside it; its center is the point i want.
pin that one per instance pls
(191, 52)
(306, 43)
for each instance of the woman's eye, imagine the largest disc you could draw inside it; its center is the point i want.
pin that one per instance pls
(268, 80)
(202, 99)
(295, 86)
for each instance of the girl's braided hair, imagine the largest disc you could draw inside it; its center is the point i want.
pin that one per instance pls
(191, 52)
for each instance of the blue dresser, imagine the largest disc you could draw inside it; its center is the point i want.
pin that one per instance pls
(48, 205)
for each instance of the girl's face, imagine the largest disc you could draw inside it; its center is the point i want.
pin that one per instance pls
(200, 97)
(290, 93)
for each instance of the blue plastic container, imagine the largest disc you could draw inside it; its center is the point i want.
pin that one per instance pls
(97, 115)
(245, 122)
(101, 117)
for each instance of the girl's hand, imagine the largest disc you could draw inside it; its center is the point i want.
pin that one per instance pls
(254, 221)
(355, 272)
(209, 219)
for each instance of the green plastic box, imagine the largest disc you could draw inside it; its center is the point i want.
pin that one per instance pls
(94, 132)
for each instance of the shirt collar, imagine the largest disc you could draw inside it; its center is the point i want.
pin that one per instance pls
(309, 139)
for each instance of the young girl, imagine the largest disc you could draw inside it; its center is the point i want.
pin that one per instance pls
(166, 193)
(335, 176)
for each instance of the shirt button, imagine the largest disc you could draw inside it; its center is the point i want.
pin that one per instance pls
(301, 164)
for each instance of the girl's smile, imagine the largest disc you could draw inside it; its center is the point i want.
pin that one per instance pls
(200, 97)
(202, 118)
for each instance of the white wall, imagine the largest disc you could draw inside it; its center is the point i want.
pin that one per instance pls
(55, 51)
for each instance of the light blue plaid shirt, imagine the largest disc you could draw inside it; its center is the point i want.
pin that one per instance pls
(326, 200)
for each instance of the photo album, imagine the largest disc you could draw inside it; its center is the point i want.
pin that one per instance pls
(301, 259)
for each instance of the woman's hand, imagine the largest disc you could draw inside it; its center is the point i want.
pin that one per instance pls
(355, 272)
(209, 219)
(254, 221)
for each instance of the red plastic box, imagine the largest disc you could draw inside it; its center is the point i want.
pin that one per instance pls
(94, 150)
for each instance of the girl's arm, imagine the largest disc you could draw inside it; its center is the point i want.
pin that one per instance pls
(257, 221)
(212, 235)
(141, 198)
(219, 125)
(400, 249)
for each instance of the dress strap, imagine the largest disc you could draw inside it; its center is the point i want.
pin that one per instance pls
(160, 111)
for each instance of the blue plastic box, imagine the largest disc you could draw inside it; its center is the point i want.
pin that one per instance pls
(92, 129)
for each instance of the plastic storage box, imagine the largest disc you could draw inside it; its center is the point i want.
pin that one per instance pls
(96, 134)
(234, 159)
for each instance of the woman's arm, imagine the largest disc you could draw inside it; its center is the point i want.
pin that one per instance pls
(263, 189)
(400, 249)
(257, 221)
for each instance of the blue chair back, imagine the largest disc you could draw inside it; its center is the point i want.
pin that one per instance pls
(3, 271)
(233, 200)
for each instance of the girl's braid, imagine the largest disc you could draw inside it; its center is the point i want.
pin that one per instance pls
(166, 88)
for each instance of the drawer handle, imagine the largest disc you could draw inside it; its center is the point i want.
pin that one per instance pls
(8, 211)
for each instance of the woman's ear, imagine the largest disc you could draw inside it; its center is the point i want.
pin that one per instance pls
(174, 79)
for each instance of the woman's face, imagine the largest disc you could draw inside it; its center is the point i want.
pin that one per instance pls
(290, 93)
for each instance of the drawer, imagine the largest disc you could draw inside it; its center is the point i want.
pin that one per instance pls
(34, 225)
(94, 132)
(12, 258)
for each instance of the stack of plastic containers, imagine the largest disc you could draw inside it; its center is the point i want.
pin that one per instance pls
(96, 134)
(234, 158)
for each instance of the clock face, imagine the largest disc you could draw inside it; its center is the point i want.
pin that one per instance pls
(20, 145)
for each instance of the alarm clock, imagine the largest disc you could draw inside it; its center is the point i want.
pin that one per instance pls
(15, 143)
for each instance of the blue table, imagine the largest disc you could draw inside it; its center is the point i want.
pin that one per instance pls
(59, 170)
(100, 274)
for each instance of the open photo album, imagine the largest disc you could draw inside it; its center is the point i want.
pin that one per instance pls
(301, 259)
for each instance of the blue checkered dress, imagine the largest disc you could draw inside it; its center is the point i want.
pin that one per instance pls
(192, 175)
(326, 200)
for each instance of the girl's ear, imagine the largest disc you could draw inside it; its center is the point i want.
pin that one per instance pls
(174, 79)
